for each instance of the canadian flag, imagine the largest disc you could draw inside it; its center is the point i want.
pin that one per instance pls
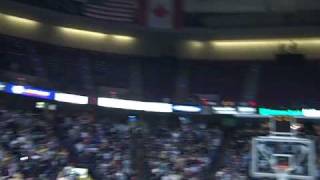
(163, 13)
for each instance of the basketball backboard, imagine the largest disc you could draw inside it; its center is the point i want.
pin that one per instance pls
(283, 157)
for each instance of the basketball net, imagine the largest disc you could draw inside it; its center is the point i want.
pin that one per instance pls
(282, 172)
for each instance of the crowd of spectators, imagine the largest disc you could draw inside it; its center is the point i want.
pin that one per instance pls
(29, 147)
(102, 148)
(185, 153)
(236, 155)
(35, 147)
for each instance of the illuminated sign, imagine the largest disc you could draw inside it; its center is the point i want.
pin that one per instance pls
(233, 110)
(275, 112)
(2, 86)
(29, 91)
(311, 112)
(246, 110)
(224, 110)
(71, 98)
(157, 107)
(40, 105)
(186, 108)
(17, 89)
(134, 105)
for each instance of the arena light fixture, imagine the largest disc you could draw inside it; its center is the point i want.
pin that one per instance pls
(71, 98)
(82, 32)
(196, 44)
(264, 42)
(245, 43)
(19, 20)
(122, 38)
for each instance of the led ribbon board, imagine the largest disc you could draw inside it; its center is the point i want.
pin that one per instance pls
(29, 91)
(224, 110)
(134, 105)
(71, 98)
(187, 108)
(2, 86)
(313, 113)
(275, 112)
(240, 110)
(246, 110)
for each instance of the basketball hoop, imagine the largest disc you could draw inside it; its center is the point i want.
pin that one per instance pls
(283, 168)
(282, 171)
(269, 160)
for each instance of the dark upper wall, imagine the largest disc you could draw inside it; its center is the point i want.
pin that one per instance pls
(273, 82)
(194, 44)
(248, 13)
(248, 6)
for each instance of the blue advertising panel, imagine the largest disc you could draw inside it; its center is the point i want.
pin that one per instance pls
(29, 91)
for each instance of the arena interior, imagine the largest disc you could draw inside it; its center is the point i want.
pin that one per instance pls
(159, 89)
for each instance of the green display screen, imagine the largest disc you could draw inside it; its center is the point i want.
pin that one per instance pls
(276, 112)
